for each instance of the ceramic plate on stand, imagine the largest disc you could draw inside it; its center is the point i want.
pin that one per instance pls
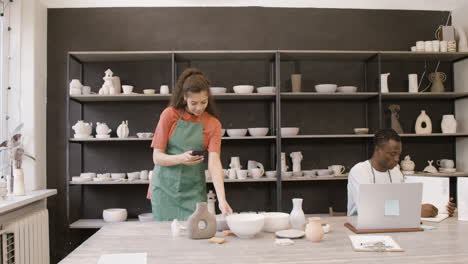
(290, 233)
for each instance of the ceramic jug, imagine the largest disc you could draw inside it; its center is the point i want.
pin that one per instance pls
(296, 160)
(437, 79)
(235, 163)
(102, 130)
(122, 130)
(423, 119)
(384, 82)
(82, 129)
(449, 124)
(297, 217)
(314, 230)
(407, 164)
(204, 217)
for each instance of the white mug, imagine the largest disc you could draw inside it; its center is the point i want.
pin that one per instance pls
(241, 174)
(420, 45)
(257, 173)
(413, 48)
(443, 46)
(232, 174)
(337, 169)
(428, 46)
(446, 163)
(86, 90)
(435, 45)
(164, 89)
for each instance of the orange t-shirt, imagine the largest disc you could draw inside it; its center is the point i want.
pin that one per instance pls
(168, 121)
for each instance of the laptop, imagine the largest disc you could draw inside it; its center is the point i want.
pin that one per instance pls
(388, 206)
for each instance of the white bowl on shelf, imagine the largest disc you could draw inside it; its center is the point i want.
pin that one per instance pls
(289, 131)
(346, 89)
(117, 176)
(361, 130)
(218, 90)
(245, 225)
(286, 174)
(127, 89)
(325, 88)
(241, 132)
(112, 215)
(240, 89)
(270, 174)
(309, 173)
(266, 89)
(223, 131)
(78, 179)
(258, 131)
(149, 91)
(275, 221)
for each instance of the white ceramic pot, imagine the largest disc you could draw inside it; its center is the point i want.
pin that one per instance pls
(114, 215)
(243, 89)
(449, 124)
(275, 221)
(326, 88)
(218, 90)
(245, 225)
(237, 132)
(258, 131)
(266, 89)
(289, 131)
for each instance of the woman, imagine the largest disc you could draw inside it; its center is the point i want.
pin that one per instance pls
(188, 124)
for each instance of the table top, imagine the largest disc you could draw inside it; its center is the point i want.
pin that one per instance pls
(446, 244)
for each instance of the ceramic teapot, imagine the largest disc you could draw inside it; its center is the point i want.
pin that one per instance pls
(102, 130)
(122, 130)
(82, 129)
(407, 164)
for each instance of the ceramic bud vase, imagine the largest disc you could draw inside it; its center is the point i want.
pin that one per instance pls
(437, 79)
(413, 83)
(423, 124)
(284, 167)
(449, 124)
(296, 83)
(201, 214)
(314, 230)
(297, 217)
(296, 159)
(18, 185)
(384, 82)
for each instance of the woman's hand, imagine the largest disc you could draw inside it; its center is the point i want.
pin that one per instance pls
(224, 207)
(187, 158)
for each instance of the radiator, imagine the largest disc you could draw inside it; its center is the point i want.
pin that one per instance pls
(26, 240)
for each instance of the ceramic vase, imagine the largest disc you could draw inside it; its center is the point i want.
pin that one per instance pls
(18, 185)
(284, 167)
(201, 214)
(296, 83)
(75, 87)
(437, 79)
(449, 124)
(314, 230)
(297, 217)
(423, 119)
(384, 82)
(296, 159)
(413, 83)
(122, 130)
(407, 164)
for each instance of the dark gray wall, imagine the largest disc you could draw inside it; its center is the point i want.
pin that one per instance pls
(98, 29)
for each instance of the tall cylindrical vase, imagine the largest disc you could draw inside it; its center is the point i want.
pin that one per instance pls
(296, 83)
(18, 185)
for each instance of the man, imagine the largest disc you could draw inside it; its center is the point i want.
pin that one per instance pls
(383, 168)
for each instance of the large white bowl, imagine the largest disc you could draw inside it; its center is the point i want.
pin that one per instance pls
(243, 88)
(114, 215)
(275, 221)
(218, 90)
(325, 88)
(289, 131)
(237, 132)
(245, 225)
(266, 89)
(258, 131)
(346, 89)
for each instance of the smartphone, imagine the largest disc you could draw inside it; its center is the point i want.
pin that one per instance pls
(198, 152)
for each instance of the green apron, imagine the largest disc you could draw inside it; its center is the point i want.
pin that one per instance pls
(176, 190)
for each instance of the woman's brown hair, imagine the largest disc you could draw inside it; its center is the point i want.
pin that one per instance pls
(194, 81)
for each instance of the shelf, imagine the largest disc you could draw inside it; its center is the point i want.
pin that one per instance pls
(264, 179)
(114, 56)
(249, 96)
(109, 139)
(111, 182)
(327, 96)
(93, 223)
(120, 98)
(435, 135)
(423, 96)
(237, 55)
(330, 136)
(357, 55)
(420, 56)
(248, 138)
(440, 174)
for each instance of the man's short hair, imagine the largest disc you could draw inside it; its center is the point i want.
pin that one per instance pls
(382, 136)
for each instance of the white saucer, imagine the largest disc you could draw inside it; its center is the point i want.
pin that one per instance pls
(290, 233)
(447, 170)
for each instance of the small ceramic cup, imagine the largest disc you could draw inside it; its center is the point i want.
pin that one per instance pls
(446, 163)
(164, 89)
(241, 174)
(86, 90)
(436, 45)
(144, 174)
(232, 174)
(127, 89)
(428, 46)
(149, 91)
(420, 45)
(413, 48)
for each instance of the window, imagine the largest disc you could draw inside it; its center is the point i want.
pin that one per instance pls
(4, 47)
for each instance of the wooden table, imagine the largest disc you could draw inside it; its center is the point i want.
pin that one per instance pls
(446, 244)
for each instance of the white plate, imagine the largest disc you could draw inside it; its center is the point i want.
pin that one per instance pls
(447, 170)
(290, 233)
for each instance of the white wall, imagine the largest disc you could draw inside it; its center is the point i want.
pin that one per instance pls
(27, 98)
(358, 4)
(461, 106)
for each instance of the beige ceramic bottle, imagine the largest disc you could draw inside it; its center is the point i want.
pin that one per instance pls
(314, 230)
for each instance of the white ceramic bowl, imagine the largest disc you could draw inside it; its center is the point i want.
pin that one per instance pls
(114, 215)
(79, 179)
(361, 130)
(147, 217)
(223, 131)
(286, 174)
(245, 225)
(127, 89)
(275, 221)
(346, 89)
(325, 88)
(117, 176)
(133, 175)
(289, 131)
(218, 90)
(149, 91)
(270, 174)
(266, 89)
(258, 131)
(241, 132)
(243, 88)
(309, 173)
(325, 172)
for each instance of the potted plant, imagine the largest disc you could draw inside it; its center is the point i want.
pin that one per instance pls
(15, 149)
